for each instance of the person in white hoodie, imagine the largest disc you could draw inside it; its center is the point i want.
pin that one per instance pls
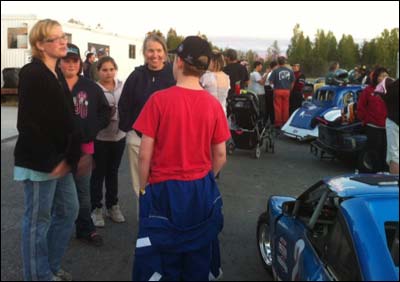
(215, 81)
(109, 148)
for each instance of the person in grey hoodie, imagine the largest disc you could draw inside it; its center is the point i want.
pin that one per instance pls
(109, 148)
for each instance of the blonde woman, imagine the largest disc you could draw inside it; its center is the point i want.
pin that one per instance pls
(215, 80)
(48, 146)
(155, 75)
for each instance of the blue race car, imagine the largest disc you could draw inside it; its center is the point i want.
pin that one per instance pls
(341, 228)
(327, 100)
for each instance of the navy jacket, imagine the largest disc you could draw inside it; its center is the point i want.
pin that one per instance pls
(91, 107)
(138, 88)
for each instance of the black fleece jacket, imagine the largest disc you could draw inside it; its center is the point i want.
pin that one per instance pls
(392, 101)
(48, 130)
(91, 107)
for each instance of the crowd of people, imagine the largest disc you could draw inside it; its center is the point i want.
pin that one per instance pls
(377, 109)
(66, 155)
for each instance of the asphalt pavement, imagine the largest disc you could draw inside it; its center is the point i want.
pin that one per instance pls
(8, 123)
(245, 185)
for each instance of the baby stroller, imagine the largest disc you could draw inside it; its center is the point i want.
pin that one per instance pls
(246, 124)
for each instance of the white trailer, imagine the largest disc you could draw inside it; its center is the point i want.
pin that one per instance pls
(15, 48)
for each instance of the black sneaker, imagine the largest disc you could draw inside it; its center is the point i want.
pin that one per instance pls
(93, 238)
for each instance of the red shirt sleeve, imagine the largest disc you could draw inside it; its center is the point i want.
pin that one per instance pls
(221, 130)
(149, 119)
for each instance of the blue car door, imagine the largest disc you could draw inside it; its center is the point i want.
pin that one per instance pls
(293, 255)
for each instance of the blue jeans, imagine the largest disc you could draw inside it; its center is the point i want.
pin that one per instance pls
(51, 208)
(84, 223)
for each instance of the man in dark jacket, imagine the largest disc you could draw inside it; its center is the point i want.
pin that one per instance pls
(238, 74)
(90, 58)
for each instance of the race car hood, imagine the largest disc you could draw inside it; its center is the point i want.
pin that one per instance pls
(304, 117)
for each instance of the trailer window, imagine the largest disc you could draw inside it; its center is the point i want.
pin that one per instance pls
(69, 37)
(132, 51)
(17, 37)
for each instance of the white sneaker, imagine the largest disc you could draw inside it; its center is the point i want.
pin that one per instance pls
(97, 217)
(115, 214)
(62, 275)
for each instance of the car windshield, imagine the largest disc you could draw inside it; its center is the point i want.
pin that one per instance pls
(392, 240)
(324, 95)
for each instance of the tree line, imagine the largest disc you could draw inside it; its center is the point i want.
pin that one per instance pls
(316, 56)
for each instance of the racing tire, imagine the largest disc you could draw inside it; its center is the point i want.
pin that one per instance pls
(366, 160)
(264, 242)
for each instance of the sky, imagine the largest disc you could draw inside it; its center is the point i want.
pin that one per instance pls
(223, 22)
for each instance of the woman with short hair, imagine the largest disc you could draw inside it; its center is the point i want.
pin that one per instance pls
(47, 149)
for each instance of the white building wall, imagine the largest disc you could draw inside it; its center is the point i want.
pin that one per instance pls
(119, 45)
(11, 58)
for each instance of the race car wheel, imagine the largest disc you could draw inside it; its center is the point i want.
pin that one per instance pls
(264, 242)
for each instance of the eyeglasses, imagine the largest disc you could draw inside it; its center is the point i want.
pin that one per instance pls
(57, 39)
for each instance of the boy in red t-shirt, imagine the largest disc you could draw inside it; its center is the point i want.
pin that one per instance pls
(183, 146)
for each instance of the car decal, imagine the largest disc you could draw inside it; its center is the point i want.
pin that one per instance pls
(281, 256)
(298, 249)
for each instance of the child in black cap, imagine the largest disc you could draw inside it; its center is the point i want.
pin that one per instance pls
(92, 113)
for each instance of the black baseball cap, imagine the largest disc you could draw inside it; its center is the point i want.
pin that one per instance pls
(192, 49)
(72, 51)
